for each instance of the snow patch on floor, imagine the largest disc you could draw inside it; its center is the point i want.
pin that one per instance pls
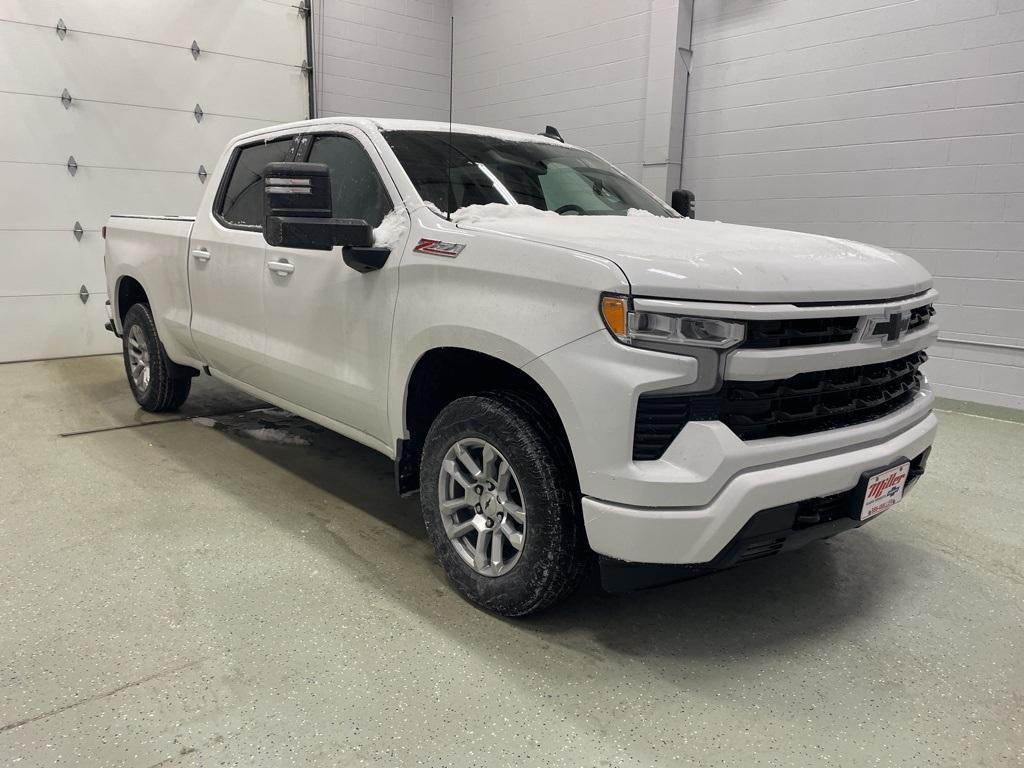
(204, 421)
(391, 230)
(271, 435)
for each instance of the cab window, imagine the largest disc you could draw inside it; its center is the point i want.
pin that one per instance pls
(241, 204)
(356, 186)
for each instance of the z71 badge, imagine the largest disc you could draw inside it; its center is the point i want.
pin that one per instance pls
(439, 248)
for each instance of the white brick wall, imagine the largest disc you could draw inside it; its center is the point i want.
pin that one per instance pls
(579, 65)
(382, 58)
(894, 122)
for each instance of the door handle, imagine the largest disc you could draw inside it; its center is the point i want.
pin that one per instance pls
(200, 254)
(281, 267)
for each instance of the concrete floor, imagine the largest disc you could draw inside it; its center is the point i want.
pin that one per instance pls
(187, 594)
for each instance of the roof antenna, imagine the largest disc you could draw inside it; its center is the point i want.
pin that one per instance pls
(451, 90)
(552, 133)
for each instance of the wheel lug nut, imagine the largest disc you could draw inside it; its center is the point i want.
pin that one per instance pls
(479, 489)
(489, 523)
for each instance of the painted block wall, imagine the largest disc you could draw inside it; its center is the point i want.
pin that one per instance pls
(383, 58)
(606, 73)
(896, 123)
(580, 65)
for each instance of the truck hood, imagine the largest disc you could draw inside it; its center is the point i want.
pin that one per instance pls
(703, 260)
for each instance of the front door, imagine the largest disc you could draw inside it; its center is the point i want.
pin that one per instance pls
(328, 326)
(226, 266)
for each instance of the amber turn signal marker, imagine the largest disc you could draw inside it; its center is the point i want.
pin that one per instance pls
(613, 310)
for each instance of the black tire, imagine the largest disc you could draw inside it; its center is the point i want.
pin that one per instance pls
(554, 553)
(167, 390)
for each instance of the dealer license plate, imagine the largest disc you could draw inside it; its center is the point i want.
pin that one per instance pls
(884, 490)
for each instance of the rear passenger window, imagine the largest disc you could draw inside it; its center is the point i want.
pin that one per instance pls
(243, 200)
(355, 184)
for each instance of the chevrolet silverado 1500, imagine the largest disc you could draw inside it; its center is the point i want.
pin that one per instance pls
(559, 363)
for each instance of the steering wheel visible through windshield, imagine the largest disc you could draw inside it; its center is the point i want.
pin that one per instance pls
(486, 169)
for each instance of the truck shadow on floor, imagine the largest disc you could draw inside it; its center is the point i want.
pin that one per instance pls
(800, 599)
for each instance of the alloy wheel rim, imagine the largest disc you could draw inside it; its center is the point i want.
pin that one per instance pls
(482, 506)
(138, 359)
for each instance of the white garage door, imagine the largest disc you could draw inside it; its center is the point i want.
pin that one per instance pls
(131, 83)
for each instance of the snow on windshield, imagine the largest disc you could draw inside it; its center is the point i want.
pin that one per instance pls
(472, 214)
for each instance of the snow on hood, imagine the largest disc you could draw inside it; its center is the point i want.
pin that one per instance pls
(492, 212)
(684, 258)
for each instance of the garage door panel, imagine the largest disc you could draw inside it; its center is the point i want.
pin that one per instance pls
(252, 28)
(90, 196)
(115, 135)
(36, 263)
(54, 326)
(34, 60)
(131, 129)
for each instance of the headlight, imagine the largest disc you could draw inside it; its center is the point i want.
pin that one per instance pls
(655, 330)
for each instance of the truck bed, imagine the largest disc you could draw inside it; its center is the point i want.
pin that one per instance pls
(154, 251)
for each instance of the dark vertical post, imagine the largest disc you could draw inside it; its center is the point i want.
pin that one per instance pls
(308, 7)
(451, 96)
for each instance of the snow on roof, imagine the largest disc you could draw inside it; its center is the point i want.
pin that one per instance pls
(390, 124)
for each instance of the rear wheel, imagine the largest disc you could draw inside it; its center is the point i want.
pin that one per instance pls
(151, 377)
(500, 505)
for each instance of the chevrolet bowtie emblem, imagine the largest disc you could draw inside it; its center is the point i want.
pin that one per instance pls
(894, 326)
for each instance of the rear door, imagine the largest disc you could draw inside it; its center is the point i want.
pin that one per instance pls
(227, 263)
(328, 326)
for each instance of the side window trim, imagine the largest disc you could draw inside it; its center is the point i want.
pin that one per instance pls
(229, 171)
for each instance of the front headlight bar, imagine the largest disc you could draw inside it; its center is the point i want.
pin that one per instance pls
(656, 330)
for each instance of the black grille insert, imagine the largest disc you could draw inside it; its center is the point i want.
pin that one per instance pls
(773, 334)
(808, 331)
(800, 405)
(920, 317)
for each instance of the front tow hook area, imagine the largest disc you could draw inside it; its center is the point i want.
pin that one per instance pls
(768, 533)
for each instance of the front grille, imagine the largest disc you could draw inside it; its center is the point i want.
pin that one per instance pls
(799, 405)
(808, 331)
(920, 317)
(773, 334)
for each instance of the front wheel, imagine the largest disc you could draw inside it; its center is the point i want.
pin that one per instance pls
(500, 506)
(150, 374)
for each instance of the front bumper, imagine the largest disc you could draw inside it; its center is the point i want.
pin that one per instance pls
(769, 532)
(685, 507)
(700, 534)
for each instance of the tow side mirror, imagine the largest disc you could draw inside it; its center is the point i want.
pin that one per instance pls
(684, 202)
(298, 212)
(297, 189)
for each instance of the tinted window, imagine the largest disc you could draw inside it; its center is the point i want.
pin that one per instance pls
(243, 200)
(357, 189)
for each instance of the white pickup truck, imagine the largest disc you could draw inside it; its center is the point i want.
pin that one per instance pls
(559, 363)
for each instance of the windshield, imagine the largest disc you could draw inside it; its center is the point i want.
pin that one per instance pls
(485, 169)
